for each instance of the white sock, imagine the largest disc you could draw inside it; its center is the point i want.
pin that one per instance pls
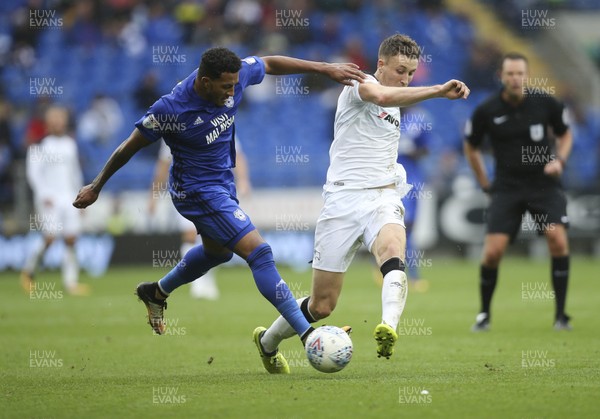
(393, 297)
(70, 268)
(279, 330)
(32, 262)
(205, 286)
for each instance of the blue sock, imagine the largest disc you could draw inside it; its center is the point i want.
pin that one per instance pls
(273, 288)
(194, 264)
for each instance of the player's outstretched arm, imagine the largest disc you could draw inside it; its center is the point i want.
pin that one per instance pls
(406, 96)
(343, 73)
(89, 193)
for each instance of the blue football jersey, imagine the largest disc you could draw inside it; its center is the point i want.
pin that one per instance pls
(199, 133)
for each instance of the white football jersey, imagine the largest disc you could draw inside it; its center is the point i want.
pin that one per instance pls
(53, 168)
(365, 145)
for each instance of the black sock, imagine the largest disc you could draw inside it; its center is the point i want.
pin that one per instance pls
(309, 318)
(305, 334)
(304, 310)
(560, 279)
(487, 284)
(158, 294)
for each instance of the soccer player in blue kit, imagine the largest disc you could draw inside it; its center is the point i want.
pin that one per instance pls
(196, 120)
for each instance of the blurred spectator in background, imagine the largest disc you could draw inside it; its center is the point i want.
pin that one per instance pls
(82, 24)
(24, 39)
(212, 26)
(6, 154)
(243, 15)
(189, 14)
(481, 69)
(354, 53)
(36, 127)
(161, 28)
(100, 123)
(147, 92)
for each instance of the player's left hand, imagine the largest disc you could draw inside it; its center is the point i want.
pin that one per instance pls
(344, 73)
(455, 89)
(553, 168)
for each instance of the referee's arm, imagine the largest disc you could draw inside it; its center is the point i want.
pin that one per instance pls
(564, 143)
(474, 134)
(475, 159)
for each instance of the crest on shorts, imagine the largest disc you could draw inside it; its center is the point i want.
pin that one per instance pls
(239, 214)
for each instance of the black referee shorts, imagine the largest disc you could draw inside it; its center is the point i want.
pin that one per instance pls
(547, 205)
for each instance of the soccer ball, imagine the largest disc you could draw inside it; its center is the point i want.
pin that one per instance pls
(329, 349)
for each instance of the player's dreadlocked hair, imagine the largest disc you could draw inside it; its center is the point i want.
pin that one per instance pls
(399, 45)
(216, 61)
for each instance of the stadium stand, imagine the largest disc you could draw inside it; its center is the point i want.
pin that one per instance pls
(108, 47)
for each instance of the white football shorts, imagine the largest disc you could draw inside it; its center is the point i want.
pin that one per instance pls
(61, 219)
(350, 218)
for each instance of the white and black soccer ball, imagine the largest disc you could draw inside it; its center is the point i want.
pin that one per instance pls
(329, 349)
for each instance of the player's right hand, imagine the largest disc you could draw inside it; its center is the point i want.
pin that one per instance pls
(86, 197)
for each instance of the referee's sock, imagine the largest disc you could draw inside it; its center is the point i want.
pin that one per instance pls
(487, 284)
(560, 279)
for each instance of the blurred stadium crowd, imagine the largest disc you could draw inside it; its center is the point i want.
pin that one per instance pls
(109, 60)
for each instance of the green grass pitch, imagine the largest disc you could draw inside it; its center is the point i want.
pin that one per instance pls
(95, 356)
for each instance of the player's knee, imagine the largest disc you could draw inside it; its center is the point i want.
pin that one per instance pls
(558, 245)
(390, 250)
(492, 257)
(261, 255)
(322, 308)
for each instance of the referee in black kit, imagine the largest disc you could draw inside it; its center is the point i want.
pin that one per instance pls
(517, 121)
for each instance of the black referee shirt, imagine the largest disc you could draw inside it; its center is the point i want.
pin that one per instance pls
(519, 134)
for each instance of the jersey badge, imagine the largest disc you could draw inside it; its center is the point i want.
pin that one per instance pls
(500, 119)
(536, 132)
(239, 214)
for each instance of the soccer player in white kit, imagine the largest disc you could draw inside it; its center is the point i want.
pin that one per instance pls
(363, 192)
(54, 174)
